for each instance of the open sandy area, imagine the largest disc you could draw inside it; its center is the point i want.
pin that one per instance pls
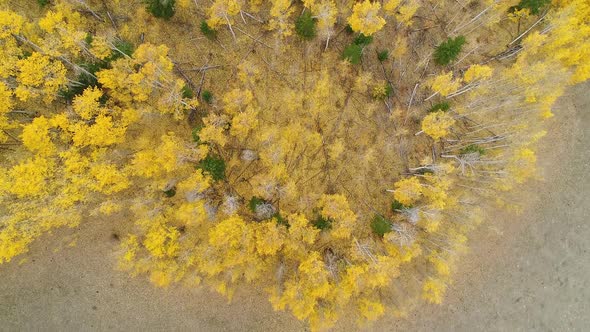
(528, 272)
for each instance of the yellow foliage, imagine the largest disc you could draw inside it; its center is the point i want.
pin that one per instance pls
(62, 30)
(520, 14)
(236, 100)
(6, 102)
(243, 123)
(13, 241)
(391, 6)
(336, 207)
(280, 12)
(365, 18)
(28, 179)
(362, 82)
(110, 207)
(214, 130)
(380, 90)
(165, 158)
(407, 191)
(191, 213)
(108, 179)
(144, 77)
(36, 74)
(326, 13)
(336, 149)
(248, 73)
(10, 23)
(441, 265)
(304, 297)
(406, 12)
(103, 132)
(196, 182)
(437, 191)
(36, 137)
(6, 105)
(269, 238)
(161, 240)
(433, 290)
(228, 233)
(160, 278)
(221, 12)
(100, 48)
(522, 164)
(401, 46)
(371, 310)
(444, 84)
(437, 124)
(477, 72)
(86, 105)
(301, 236)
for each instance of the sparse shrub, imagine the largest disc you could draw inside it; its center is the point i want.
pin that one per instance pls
(207, 31)
(442, 106)
(362, 40)
(122, 48)
(348, 29)
(353, 53)
(322, 223)
(161, 8)
(207, 96)
(383, 55)
(448, 51)
(187, 92)
(396, 206)
(89, 38)
(382, 91)
(170, 192)
(534, 6)
(380, 225)
(254, 202)
(305, 26)
(195, 134)
(473, 148)
(213, 166)
(280, 220)
(84, 80)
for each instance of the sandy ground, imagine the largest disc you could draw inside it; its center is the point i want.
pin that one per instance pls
(524, 273)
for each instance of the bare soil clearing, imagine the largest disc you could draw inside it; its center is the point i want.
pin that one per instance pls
(526, 272)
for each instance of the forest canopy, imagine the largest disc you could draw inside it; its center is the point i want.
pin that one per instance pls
(334, 153)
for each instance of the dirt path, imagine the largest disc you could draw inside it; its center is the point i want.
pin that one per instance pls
(528, 272)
